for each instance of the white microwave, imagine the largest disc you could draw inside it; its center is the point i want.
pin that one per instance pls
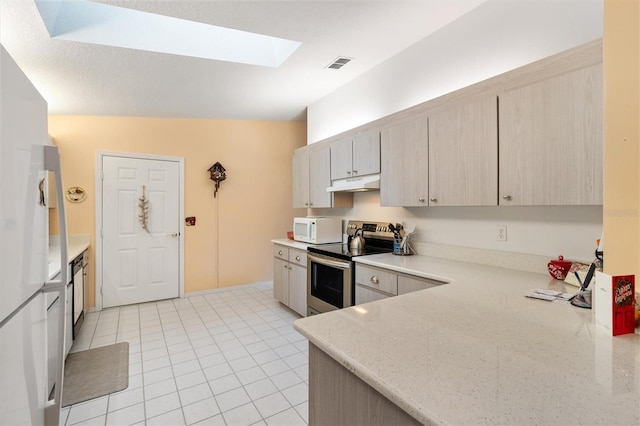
(317, 230)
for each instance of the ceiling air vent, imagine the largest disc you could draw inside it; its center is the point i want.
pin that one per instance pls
(340, 62)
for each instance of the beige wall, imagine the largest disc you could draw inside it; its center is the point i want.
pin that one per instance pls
(253, 204)
(621, 216)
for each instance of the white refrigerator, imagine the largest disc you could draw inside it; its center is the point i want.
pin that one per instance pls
(25, 157)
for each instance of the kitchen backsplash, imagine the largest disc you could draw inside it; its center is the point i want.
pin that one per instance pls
(549, 231)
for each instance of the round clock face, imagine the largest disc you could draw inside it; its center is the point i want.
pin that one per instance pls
(75, 194)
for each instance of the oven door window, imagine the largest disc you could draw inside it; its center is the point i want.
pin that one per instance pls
(327, 283)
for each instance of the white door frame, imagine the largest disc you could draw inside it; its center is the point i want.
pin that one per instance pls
(98, 248)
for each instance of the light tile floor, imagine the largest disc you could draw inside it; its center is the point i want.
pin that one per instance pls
(229, 357)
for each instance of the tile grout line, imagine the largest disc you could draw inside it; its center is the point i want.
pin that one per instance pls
(194, 316)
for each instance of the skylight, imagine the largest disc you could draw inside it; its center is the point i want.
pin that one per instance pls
(95, 23)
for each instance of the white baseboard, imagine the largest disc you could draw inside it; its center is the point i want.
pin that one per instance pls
(265, 284)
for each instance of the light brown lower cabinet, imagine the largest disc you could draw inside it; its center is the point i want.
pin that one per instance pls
(376, 283)
(339, 397)
(290, 277)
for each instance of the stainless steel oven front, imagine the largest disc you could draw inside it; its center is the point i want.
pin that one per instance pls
(329, 283)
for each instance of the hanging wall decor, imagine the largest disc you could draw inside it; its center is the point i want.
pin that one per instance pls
(75, 194)
(143, 217)
(217, 175)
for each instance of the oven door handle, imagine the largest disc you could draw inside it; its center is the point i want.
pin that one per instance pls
(329, 262)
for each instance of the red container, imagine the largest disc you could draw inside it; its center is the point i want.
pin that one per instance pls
(558, 269)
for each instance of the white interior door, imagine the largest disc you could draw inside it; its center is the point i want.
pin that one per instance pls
(139, 265)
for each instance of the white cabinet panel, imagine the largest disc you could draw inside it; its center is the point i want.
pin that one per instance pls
(68, 320)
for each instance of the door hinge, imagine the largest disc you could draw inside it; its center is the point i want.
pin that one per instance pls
(101, 234)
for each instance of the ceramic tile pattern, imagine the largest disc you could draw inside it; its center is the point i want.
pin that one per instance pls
(230, 357)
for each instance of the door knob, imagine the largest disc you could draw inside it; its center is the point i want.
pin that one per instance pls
(173, 234)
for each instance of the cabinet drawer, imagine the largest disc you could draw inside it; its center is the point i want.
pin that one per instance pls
(281, 252)
(377, 278)
(366, 295)
(298, 257)
(411, 284)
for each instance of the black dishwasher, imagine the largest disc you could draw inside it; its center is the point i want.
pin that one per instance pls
(78, 294)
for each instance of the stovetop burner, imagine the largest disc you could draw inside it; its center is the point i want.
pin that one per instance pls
(378, 239)
(343, 251)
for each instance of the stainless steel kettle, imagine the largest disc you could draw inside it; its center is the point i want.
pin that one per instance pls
(357, 241)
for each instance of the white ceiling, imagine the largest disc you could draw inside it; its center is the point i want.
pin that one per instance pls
(87, 79)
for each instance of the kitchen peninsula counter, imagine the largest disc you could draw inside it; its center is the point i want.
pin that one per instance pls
(476, 351)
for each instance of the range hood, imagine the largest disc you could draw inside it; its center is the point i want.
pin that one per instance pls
(355, 184)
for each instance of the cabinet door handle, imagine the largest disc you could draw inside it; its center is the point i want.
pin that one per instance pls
(298, 258)
(285, 266)
(306, 204)
(355, 172)
(421, 200)
(374, 279)
(173, 234)
(506, 197)
(310, 204)
(348, 172)
(280, 252)
(433, 200)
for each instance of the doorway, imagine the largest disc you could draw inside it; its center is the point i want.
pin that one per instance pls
(140, 244)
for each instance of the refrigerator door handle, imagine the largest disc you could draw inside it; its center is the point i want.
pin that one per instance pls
(52, 163)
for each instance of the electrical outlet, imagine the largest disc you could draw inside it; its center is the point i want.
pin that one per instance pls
(502, 233)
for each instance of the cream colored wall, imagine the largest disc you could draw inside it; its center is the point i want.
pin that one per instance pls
(622, 155)
(230, 244)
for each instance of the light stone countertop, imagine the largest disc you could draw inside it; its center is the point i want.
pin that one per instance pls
(291, 243)
(476, 351)
(77, 244)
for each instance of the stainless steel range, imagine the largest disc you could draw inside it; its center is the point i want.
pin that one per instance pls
(331, 269)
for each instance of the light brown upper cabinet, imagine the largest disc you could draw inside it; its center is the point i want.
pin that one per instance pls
(301, 178)
(312, 177)
(463, 153)
(551, 140)
(404, 163)
(356, 156)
